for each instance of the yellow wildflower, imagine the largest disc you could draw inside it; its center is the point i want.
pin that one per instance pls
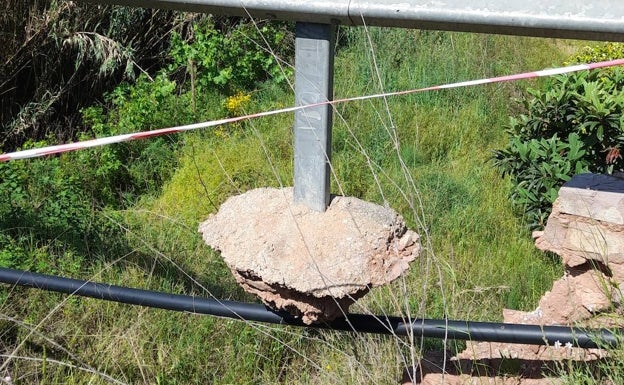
(235, 104)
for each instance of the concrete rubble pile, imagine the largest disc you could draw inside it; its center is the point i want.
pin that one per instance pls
(311, 264)
(586, 229)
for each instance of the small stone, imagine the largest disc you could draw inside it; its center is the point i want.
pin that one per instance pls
(407, 240)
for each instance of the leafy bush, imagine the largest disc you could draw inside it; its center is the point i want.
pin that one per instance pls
(120, 173)
(42, 206)
(601, 52)
(575, 125)
(236, 59)
(53, 206)
(40, 195)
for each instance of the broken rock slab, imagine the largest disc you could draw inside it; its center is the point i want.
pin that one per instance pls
(312, 264)
(587, 222)
(586, 229)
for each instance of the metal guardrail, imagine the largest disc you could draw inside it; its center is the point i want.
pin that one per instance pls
(316, 19)
(572, 19)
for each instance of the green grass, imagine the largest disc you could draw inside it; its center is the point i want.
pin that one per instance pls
(478, 256)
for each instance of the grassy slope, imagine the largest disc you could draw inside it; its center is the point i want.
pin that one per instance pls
(478, 257)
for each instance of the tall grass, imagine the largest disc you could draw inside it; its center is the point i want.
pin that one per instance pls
(425, 155)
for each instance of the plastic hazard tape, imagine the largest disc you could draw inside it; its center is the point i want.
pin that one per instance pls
(57, 149)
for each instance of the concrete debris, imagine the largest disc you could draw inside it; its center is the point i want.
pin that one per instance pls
(500, 364)
(312, 264)
(586, 229)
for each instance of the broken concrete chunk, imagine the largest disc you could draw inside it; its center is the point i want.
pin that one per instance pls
(596, 196)
(586, 229)
(312, 264)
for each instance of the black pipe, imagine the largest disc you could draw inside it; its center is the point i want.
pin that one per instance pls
(362, 323)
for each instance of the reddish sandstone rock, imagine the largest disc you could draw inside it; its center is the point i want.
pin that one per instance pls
(587, 224)
(586, 229)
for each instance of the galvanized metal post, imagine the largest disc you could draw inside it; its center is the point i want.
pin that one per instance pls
(314, 75)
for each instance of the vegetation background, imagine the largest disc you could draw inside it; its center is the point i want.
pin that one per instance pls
(127, 214)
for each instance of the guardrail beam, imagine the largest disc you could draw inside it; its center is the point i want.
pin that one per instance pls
(597, 20)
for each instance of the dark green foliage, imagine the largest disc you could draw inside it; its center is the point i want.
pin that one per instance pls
(121, 173)
(43, 198)
(56, 208)
(60, 56)
(574, 126)
(46, 216)
(234, 58)
(538, 168)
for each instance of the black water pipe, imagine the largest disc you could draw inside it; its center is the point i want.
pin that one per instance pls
(361, 323)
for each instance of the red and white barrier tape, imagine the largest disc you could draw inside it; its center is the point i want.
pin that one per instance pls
(37, 152)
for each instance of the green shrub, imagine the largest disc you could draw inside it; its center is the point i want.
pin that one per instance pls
(538, 168)
(53, 206)
(238, 58)
(39, 195)
(43, 211)
(118, 174)
(574, 126)
(601, 52)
